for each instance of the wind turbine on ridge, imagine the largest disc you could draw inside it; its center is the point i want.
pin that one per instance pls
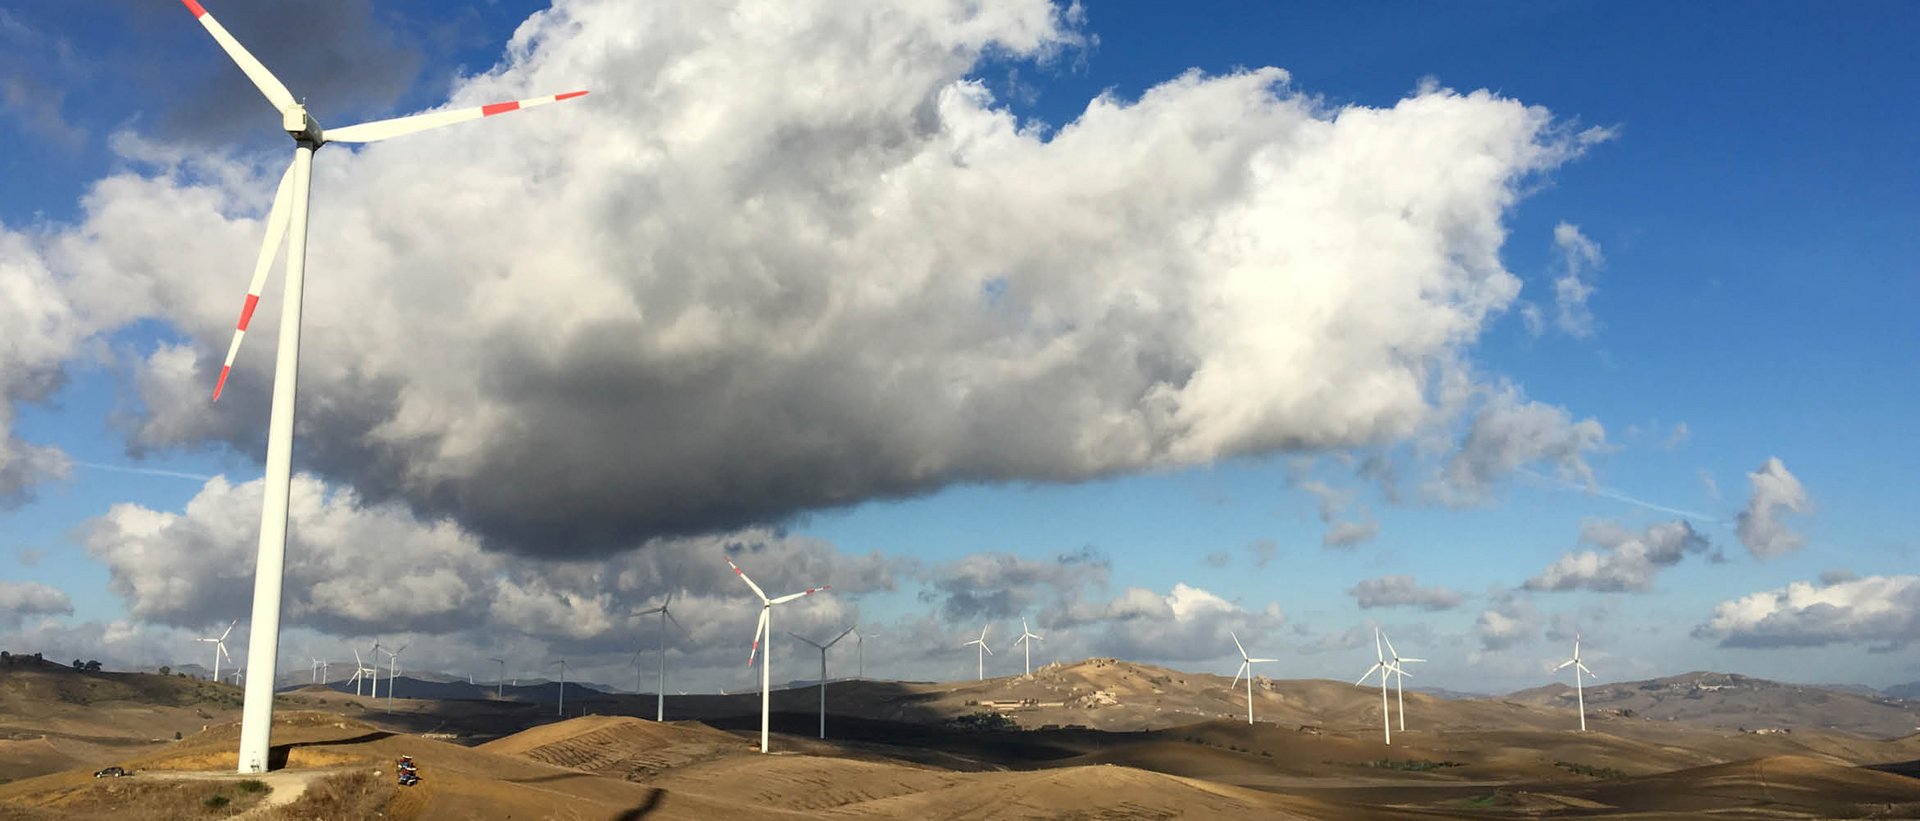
(1246, 669)
(1386, 668)
(220, 648)
(860, 650)
(359, 677)
(823, 671)
(1399, 674)
(1579, 691)
(393, 672)
(499, 685)
(374, 668)
(288, 220)
(1027, 638)
(320, 670)
(660, 704)
(562, 709)
(765, 631)
(982, 653)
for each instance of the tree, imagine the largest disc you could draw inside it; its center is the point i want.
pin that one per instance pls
(93, 666)
(165, 670)
(79, 665)
(6, 656)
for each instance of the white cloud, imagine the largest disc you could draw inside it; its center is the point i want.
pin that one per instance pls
(1775, 492)
(1402, 591)
(1185, 624)
(1507, 621)
(42, 331)
(1510, 432)
(1881, 611)
(21, 599)
(1335, 505)
(1625, 561)
(782, 262)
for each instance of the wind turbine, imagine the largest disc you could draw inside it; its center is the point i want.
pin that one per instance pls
(1579, 691)
(393, 672)
(562, 710)
(823, 671)
(765, 630)
(982, 653)
(220, 648)
(374, 668)
(500, 685)
(358, 680)
(1386, 668)
(239, 676)
(660, 704)
(1399, 674)
(1027, 638)
(288, 220)
(320, 670)
(1246, 669)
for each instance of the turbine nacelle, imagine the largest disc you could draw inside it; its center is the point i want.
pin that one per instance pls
(301, 126)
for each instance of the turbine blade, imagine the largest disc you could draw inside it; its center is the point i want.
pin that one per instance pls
(402, 126)
(1409, 661)
(1563, 665)
(269, 249)
(1583, 669)
(1237, 645)
(269, 85)
(1244, 669)
(757, 632)
(1366, 675)
(743, 577)
(1376, 645)
(1260, 661)
(1390, 651)
(983, 646)
(803, 638)
(651, 611)
(807, 592)
(836, 639)
(224, 633)
(676, 622)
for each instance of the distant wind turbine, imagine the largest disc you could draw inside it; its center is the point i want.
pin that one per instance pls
(320, 671)
(287, 220)
(374, 668)
(823, 671)
(860, 650)
(393, 672)
(660, 702)
(220, 647)
(765, 631)
(239, 676)
(562, 710)
(1027, 638)
(1246, 669)
(1399, 674)
(359, 678)
(1579, 690)
(499, 685)
(982, 653)
(1386, 668)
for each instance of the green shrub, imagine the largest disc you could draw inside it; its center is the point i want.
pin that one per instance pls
(252, 785)
(216, 801)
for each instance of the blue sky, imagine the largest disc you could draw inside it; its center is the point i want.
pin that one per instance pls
(1753, 210)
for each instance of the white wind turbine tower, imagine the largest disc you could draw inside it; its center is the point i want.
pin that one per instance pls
(660, 703)
(562, 709)
(499, 685)
(239, 676)
(1386, 668)
(1027, 638)
(823, 671)
(1399, 674)
(220, 648)
(320, 670)
(288, 220)
(1579, 691)
(765, 630)
(1246, 669)
(393, 672)
(981, 653)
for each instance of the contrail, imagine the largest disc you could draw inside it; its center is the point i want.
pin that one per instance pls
(1602, 490)
(171, 474)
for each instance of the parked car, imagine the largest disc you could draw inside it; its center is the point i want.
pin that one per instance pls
(112, 772)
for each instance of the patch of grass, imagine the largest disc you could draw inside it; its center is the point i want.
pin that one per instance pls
(1590, 771)
(216, 801)
(252, 785)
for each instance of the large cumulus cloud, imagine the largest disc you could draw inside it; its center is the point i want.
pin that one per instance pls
(1880, 611)
(1762, 526)
(788, 257)
(1624, 560)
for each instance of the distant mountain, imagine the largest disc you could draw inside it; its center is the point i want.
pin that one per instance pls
(448, 688)
(1450, 695)
(1909, 690)
(1731, 700)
